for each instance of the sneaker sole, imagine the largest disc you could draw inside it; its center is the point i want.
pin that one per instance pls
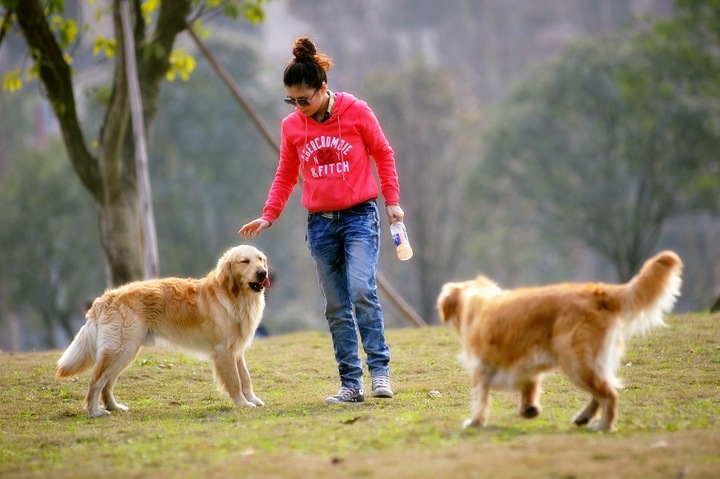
(344, 403)
(383, 394)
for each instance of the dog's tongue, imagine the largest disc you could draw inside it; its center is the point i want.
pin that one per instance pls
(266, 282)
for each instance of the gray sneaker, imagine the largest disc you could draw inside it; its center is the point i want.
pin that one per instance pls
(381, 387)
(347, 396)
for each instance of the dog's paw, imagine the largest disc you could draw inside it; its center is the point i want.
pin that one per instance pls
(118, 407)
(99, 413)
(257, 401)
(581, 420)
(530, 412)
(601, 427)
(471, 422)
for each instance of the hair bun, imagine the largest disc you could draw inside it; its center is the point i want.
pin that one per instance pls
(308, 66)
(304, 50)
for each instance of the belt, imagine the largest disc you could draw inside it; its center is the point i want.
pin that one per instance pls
(337, 214)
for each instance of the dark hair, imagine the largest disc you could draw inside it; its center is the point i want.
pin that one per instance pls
(307, 67)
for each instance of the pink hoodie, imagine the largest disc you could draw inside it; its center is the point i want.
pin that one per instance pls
(334, 160)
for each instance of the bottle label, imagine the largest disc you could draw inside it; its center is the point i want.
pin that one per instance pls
(402, 243)
(399, 234)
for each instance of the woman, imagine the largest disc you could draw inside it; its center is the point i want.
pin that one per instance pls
(330, 139)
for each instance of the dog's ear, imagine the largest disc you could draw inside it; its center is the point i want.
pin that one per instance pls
(235, 288)
(227, 278)
(449, 303)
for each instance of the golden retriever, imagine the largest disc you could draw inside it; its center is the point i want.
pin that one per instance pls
(216, 315)
(511, 338)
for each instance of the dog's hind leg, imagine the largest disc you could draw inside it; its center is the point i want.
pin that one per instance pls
(587, 414)
(107, 369)
(480, 398)
(245, 381)
(107, 393)
(607, 397)
(95, 387)
(109, 398)
(604, 396)
(593, 369)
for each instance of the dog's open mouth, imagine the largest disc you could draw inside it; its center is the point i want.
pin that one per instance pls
(258, 287)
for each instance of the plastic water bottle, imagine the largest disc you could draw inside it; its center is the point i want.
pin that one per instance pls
(402, 243)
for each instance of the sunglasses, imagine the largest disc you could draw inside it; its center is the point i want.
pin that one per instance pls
(300, 101)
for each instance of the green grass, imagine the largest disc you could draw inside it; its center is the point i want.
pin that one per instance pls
(180, 426)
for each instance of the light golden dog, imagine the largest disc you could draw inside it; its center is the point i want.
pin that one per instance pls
(216, 315)
(511, 338)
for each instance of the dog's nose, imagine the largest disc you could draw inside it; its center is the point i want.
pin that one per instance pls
(261, 274)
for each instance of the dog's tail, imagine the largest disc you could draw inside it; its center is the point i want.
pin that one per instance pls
(81, 353)
(652, 293)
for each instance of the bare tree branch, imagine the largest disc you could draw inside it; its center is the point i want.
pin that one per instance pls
(56, 76)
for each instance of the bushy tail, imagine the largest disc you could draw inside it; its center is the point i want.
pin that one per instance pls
(652, 293)
(80, 355)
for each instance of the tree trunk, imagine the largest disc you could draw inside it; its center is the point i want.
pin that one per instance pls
(111, 175)
(151, 261)
(120, 236)
(716, 306)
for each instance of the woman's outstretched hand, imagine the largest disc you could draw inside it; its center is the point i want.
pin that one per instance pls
(254, 228)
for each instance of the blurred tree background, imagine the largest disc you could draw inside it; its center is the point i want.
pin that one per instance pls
(609, 145)
(535, 141)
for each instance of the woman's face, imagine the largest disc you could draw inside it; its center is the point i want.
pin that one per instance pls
(307, 100)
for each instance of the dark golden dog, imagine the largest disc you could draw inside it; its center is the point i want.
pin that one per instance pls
(216, 315)
(511, 338)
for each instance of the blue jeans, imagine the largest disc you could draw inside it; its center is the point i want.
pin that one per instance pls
(345, 246)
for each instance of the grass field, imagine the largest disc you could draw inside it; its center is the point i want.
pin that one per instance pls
(180, 426)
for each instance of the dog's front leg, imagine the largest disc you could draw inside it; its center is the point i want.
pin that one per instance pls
(245, 382)
(227, 377)
(480, 398)
(530, 397)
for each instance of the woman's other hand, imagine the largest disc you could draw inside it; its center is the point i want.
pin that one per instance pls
(395, 213)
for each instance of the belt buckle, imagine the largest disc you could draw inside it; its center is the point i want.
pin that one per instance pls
(331, 215)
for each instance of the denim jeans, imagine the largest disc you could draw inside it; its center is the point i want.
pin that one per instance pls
(345, 247)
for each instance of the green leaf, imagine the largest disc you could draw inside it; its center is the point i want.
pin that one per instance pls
(67, 30)
(181, 64)
(253, 12)
(54, 6)
(149, 7)
(12, 81)
(104, 44)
